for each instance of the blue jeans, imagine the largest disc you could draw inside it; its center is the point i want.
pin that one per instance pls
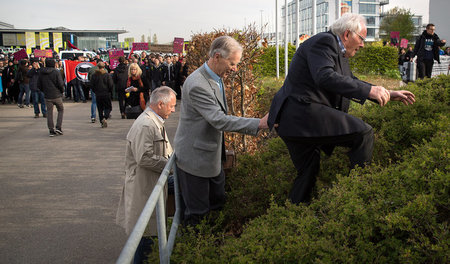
(38, 97)
(94, 104)
(24, 88)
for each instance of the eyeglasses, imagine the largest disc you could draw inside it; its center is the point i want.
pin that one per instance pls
(361, 37)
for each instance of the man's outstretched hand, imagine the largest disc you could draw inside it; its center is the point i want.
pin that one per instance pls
(406, 97)
(380, 94)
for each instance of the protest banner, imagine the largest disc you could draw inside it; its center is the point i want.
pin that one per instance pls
(114, 55)
(43, 53)
(140, 46)
(20, 55)
(178, 44)
(77, 69)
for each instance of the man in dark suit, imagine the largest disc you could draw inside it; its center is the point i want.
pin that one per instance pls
(310, 110)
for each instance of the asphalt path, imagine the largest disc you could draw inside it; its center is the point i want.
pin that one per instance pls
(59, 195)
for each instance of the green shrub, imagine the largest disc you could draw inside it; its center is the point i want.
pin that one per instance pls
(394, 211)
(397, 214)
(267, 62)
(374, 59)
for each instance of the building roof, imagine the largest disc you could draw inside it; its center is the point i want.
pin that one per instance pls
(64, 30)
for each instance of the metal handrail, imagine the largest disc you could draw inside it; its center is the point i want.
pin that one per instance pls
(157, 200)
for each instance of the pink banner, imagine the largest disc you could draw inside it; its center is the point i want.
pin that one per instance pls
(43, 53)
(395, 38)
(114, 57)
(178, 45)
(20, 55)
(140, 46)
(404, 43)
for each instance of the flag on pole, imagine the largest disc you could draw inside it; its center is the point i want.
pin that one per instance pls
(71, 46)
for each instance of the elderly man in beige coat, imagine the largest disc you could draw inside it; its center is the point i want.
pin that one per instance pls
(147, 152)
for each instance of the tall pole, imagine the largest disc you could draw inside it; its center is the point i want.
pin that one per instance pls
(297, 19)
(338, 13)
(314, 12)
(276, 39)
(261, 25)
(285, 37)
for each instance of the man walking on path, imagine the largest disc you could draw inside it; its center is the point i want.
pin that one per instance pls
(51, 84)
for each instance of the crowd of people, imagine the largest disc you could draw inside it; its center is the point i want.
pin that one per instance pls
(131, 82)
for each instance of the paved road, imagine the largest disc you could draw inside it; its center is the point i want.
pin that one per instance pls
(58, 196)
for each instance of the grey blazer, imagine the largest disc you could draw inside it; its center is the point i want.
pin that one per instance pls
(203, 117)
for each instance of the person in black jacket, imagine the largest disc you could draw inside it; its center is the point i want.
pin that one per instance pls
(8, 81)
(120, 77)
(38, 95)
(427, 50)
(157, 73)
(310, 110)
(51, 84)
(24, 84)
(102, 86)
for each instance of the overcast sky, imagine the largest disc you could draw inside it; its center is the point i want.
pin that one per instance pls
(165, 18)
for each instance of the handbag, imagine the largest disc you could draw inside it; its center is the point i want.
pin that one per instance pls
(132, 112)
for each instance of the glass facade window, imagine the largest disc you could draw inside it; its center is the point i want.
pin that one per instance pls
(370, 33)
(370, 20)
(367, 9)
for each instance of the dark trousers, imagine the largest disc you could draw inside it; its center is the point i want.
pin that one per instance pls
(201, 195)
(58, 102)
(104, 107)
(144, 248)
(305, 154)
(121, 98)
(424, 68)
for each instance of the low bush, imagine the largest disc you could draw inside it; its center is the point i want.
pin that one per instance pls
(374, 59)
(267, 62)
(393, 211)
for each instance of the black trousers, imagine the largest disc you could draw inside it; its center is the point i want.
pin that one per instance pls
(305, 154)
(121, 98)
(201, 195)
(424, 68)
(104, 107)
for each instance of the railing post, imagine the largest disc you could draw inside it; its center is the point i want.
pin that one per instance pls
(156, 200)
(161, 222)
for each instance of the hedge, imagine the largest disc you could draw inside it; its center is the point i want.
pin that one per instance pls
(393, 211)
(374, 59)
(266, 65)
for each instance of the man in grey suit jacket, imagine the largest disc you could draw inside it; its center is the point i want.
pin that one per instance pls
(199, 141)
(310, 109)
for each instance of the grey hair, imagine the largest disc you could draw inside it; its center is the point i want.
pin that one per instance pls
(224, 45)
(161, 94)
(348, 21)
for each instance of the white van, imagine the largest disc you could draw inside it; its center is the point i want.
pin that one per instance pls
(70, 54)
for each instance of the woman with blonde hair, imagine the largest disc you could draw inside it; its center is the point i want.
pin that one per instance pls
(137, 91)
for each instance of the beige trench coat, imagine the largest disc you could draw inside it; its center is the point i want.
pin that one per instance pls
(147, 152)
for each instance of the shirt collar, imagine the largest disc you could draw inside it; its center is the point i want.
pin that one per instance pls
(212, 74)
(160, 118)
(341, 45)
